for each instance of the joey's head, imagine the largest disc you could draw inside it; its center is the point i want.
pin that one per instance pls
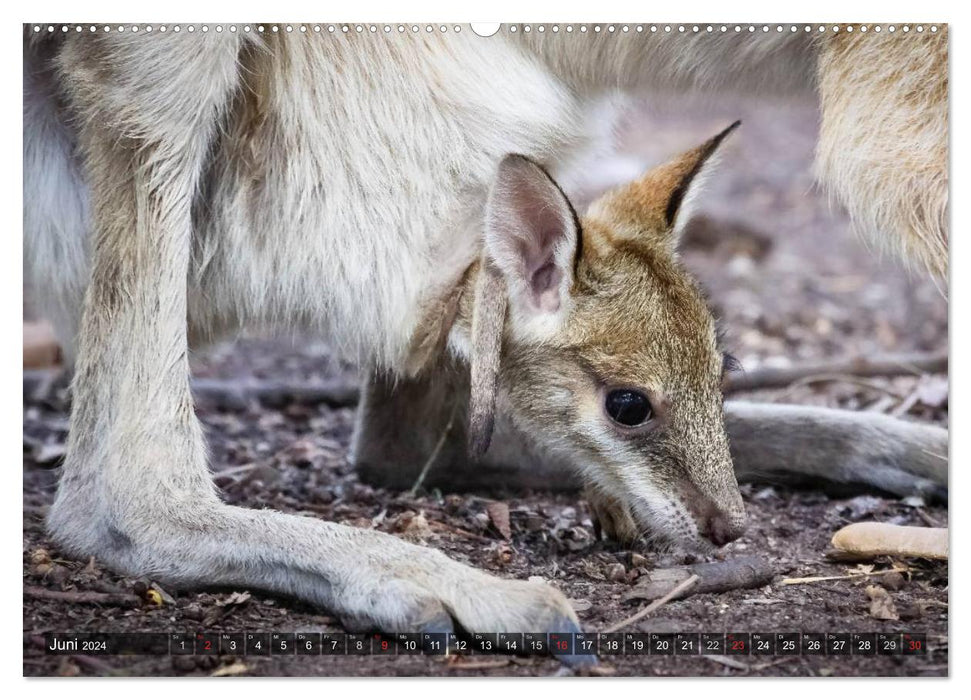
(607, 353)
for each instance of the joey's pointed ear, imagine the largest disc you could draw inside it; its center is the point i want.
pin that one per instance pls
(660, 203)
(531, 236)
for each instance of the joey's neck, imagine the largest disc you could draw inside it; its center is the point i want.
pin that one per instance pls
(445, 321)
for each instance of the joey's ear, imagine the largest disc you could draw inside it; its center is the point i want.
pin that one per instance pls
(488, 319)
(659, 204)
(531, 236)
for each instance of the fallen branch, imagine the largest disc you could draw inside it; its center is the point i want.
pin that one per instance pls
(713, 577)
(884, 366)
(884, 539)
(671, 595)
(127, 600)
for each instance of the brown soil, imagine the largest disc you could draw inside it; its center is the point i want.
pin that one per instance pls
(790, 284)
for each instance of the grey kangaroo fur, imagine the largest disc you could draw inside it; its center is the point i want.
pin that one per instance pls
(180, 186)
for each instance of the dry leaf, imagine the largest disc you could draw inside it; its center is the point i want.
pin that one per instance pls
(580, 604)
(237, 598)
(237, 668)
(881, 604)
(499, 517)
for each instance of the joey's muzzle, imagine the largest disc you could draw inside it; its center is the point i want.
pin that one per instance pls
(720, 519)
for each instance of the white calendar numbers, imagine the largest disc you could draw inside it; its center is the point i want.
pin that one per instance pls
(502, 643)
(434, 643)
(763, 644)
(585, 643)
(889, 643)
(687, 644)
(636, 643)
(336, 644)
(257, 644)
(712, 643)
(610, 644)
(787, 644)
(282, 644)
(864, 644)
(838, 644)
(485, 643)
(813, 644)
(511, 643)
(359, 644)
(232, 643)
(181, 644)
(536, 643)
(409, 643)
(458, 645)
(308, 644)
(662, 644)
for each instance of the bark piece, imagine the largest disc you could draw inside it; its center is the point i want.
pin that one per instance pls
(882, 539)
(713, 577)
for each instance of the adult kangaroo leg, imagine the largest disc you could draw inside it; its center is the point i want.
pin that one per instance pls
(136, 491)
(846, 447)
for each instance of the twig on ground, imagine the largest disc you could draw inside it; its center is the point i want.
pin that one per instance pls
(883, 366)
(728, 661)
(862, 574)
(845, 379)
(119, 599)
(434, 455)
(674, 592)
(925, 516)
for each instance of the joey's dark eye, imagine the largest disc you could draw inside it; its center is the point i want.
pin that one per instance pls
(628, 407)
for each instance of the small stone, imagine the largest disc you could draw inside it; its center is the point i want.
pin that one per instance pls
(58, 574)
(616, 572)
(40, 556)
(893, 581)
(42, 570)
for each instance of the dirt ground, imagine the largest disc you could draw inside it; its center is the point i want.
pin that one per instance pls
(790, 283)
